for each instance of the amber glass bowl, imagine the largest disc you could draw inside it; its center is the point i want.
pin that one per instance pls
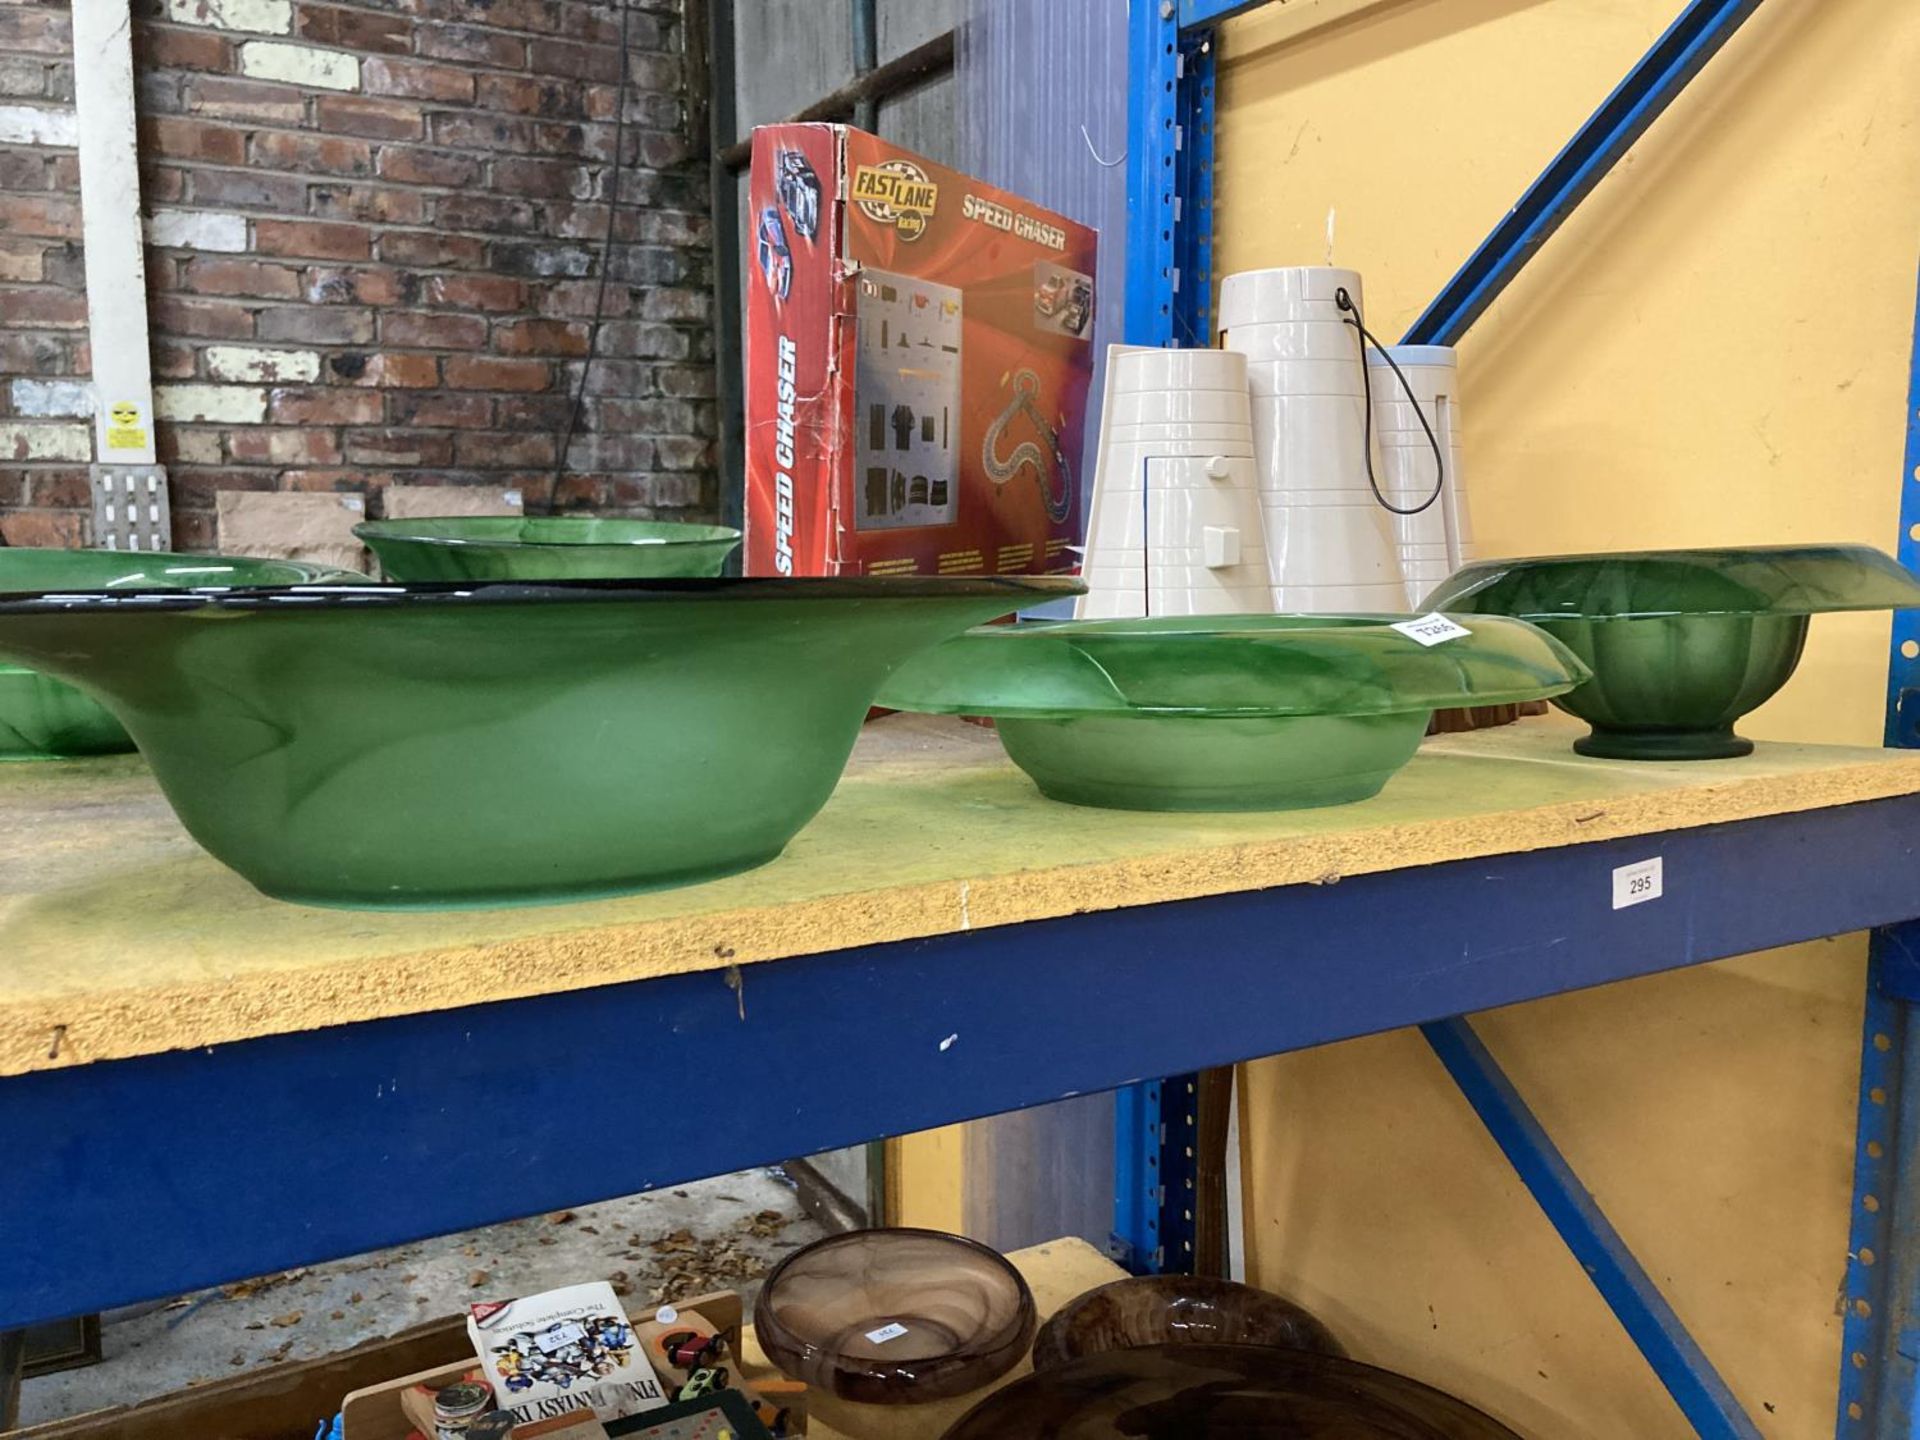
(1221, 1392)
(895, 1317)
(1176, 1309)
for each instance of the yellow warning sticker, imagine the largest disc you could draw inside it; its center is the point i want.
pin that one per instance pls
(124, 428)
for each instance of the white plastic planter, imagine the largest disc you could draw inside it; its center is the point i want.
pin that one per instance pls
(1293, 292)
(1296, 340)
(1175, 526)
(1304, 377)
(1330, 544)
(1439, 540)
(1133, 369)
(1183, 407)
(1197, 436)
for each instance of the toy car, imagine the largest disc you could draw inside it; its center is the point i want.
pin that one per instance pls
(799, 190)
(774, 254)
(1078, 309)
(1052, 291)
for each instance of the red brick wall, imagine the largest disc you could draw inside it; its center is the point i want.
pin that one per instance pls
(374, 251)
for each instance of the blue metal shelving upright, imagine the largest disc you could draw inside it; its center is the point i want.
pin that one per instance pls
(1169, 280)
(1880, 1338)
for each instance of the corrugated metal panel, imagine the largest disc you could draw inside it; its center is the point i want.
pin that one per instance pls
(789, 53)
(1043, 111)
(923, 121)
(905, 24)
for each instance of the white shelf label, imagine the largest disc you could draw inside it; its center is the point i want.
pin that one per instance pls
(1637, 883)
(1431, 630)
(886, 1333)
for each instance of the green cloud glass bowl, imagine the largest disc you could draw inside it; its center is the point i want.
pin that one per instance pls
(1682, 643)
(1223, 712)
(559, 547)
(43, 719)
(434, 745)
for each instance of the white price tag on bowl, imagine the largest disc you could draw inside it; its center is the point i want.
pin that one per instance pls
(1637, 883)
(1431, 630)
(886, 1333)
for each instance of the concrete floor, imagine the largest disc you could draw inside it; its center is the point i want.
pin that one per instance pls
(716, 1234)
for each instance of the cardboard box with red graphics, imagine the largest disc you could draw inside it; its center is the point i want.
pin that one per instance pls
(918, 360)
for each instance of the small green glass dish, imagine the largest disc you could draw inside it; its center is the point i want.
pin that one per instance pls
(1223, 712)
(43, 719)
(546, 547)
(1682, 643)
(421, 746)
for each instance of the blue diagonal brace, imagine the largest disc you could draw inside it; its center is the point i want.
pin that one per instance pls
(1629, 1291)
(1663, 72)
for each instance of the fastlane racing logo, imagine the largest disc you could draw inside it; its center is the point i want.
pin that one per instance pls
(897, 193)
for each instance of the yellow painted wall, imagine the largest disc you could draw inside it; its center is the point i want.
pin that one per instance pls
(1714, 350)
(925, 1175)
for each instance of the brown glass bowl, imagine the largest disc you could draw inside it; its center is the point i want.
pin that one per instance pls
(894, 1317)
(1221, 1392)
(1179, 1310)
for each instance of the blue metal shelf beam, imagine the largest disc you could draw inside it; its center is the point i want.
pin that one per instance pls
(369, 1135)
(1676, 57)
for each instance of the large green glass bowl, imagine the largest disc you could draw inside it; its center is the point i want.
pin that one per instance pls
(1681, 643)
(557, 547)
(437, 745)
(1212, 713)
(43, 719)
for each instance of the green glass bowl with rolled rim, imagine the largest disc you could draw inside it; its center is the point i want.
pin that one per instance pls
(1223, 712)
(43, 719)
(545, 547)
(433, 746)
(1682, 643)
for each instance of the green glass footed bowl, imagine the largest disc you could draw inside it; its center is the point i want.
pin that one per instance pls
(1682, 643)
(560, 547)
(43, 719)
(1224, 712)
(433, 746)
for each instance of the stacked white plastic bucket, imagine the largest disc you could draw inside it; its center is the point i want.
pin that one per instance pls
(1439, 540)
(1175, 527)
(1330, 544)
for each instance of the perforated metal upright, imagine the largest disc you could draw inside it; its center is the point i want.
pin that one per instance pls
(1880, 1355)
(1169, 282)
